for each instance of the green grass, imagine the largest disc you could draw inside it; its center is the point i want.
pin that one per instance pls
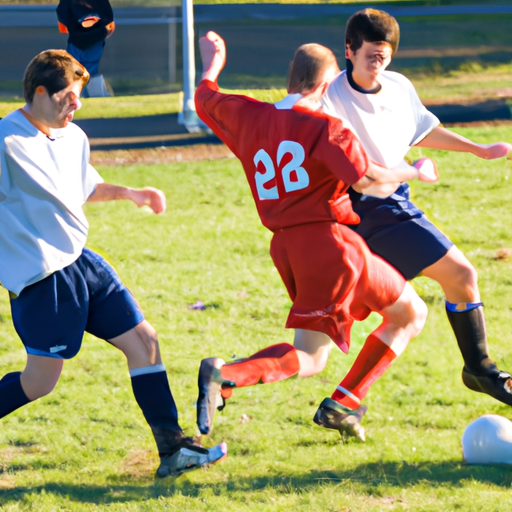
(86, 447)
(471, 84)
(136, 106)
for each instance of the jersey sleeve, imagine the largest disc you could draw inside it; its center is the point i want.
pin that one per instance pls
(91, 181)
(425, 120)
(220, 112)
(90, 176)
(343, 152)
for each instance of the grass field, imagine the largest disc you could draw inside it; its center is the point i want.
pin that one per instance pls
(86, 447)
(468, 85)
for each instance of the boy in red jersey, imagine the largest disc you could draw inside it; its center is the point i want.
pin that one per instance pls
(299, 163)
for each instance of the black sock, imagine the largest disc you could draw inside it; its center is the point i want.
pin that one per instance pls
(154, 397)
(12, 396)
(469, 329)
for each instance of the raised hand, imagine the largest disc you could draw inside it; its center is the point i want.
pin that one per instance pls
(213, 55)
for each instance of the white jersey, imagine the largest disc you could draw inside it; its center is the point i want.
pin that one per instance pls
(388, 122)
(44, 183)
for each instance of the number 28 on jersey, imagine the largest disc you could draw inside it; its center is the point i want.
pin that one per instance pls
(293, 175)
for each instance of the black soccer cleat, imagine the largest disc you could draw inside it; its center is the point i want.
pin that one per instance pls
(495, 383)
(189, 456)
(210, 399)
(335, 416)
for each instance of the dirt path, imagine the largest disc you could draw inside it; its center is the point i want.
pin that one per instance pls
(162, 155)
(198, 152)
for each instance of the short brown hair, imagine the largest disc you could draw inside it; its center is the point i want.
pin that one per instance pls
(307, 66)
(372, 26)
(54, 70)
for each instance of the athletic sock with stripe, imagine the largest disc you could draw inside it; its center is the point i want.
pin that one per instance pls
(373, 360)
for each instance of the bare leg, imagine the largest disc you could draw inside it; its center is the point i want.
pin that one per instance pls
(40, 375)
(313, 350)
(153, 394)
(457, 277)
(401, 322)
(139, 345)
(37, 379)
(306, 357)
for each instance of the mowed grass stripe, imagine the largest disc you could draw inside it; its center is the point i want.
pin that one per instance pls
(86, 447)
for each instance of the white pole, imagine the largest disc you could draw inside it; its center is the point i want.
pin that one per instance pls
(188, 117)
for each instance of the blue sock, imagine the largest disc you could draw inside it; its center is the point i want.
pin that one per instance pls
(153, 394)
(12, 396)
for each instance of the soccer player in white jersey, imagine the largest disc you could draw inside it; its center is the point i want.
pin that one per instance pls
(58, 288)
(384, 111)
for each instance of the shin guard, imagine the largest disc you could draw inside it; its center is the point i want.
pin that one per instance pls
(272, 364)
(468, 324)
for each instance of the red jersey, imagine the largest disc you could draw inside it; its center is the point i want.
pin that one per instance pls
(298, 163)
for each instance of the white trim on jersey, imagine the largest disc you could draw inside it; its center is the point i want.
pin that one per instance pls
(288, 102)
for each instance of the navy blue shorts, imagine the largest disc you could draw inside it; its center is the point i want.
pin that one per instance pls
(51, 316)
(399, 232)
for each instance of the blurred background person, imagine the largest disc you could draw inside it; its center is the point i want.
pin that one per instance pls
(89, 23)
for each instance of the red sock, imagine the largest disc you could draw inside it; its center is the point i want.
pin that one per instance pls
(272, 364)
(373, 360)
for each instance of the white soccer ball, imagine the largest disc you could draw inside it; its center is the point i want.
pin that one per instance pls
(488, 440)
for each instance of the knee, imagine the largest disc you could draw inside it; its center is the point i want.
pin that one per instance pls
(465, 275)
(419, 315)
(312, 363)
(149, 340)
(414, 313)
(320, 359)
(37, 388)
(45, 389)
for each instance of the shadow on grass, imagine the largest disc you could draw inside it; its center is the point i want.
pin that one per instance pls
(365, 477)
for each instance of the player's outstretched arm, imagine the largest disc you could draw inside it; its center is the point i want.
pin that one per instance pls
(147, 196)
(382, 182)
(441, 138)
(213, 55)
(382, 175)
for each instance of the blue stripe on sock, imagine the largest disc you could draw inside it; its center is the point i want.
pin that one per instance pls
(146, 370)
(461, 307)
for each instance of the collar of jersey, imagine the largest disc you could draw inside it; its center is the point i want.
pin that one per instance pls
(357, 87)
(288, 102)
(55, 133)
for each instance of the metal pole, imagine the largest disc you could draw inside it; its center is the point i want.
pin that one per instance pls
(188, 117)
(172, 51)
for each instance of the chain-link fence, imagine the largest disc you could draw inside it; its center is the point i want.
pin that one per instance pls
(145, 53)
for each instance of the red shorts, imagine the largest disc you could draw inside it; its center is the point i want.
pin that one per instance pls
(332, 278)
